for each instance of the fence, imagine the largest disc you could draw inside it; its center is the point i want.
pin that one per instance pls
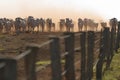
(108, 43)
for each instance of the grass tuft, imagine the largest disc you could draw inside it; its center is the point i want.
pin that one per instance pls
(114, 72)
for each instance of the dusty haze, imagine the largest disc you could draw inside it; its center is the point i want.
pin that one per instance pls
(57, 14)
(55, 9)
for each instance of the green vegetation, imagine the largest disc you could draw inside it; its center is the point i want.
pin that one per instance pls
(2, 36)
(47, 62)
(114, 72)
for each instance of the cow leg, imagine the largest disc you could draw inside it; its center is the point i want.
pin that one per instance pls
(37, 29)
(42, 28)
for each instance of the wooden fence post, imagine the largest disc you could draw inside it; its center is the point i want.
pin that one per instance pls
(118, 38)
(90, 54)
(69, 58)
(55, 58)
(118, 35)
(10, 69)
(2, 71)
(83, 55)
(112, 43)
(30, 60)
(107, 47)
(99, 65)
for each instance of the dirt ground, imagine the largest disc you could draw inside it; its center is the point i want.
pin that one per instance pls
(13, 42)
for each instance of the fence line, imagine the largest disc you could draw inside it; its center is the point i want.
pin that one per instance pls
(108, 41)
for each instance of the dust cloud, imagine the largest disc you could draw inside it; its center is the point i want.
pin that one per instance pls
(56, 14)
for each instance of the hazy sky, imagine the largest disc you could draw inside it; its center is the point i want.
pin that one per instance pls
(98, 9)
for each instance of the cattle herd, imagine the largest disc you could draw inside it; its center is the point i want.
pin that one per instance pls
(30, 23)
